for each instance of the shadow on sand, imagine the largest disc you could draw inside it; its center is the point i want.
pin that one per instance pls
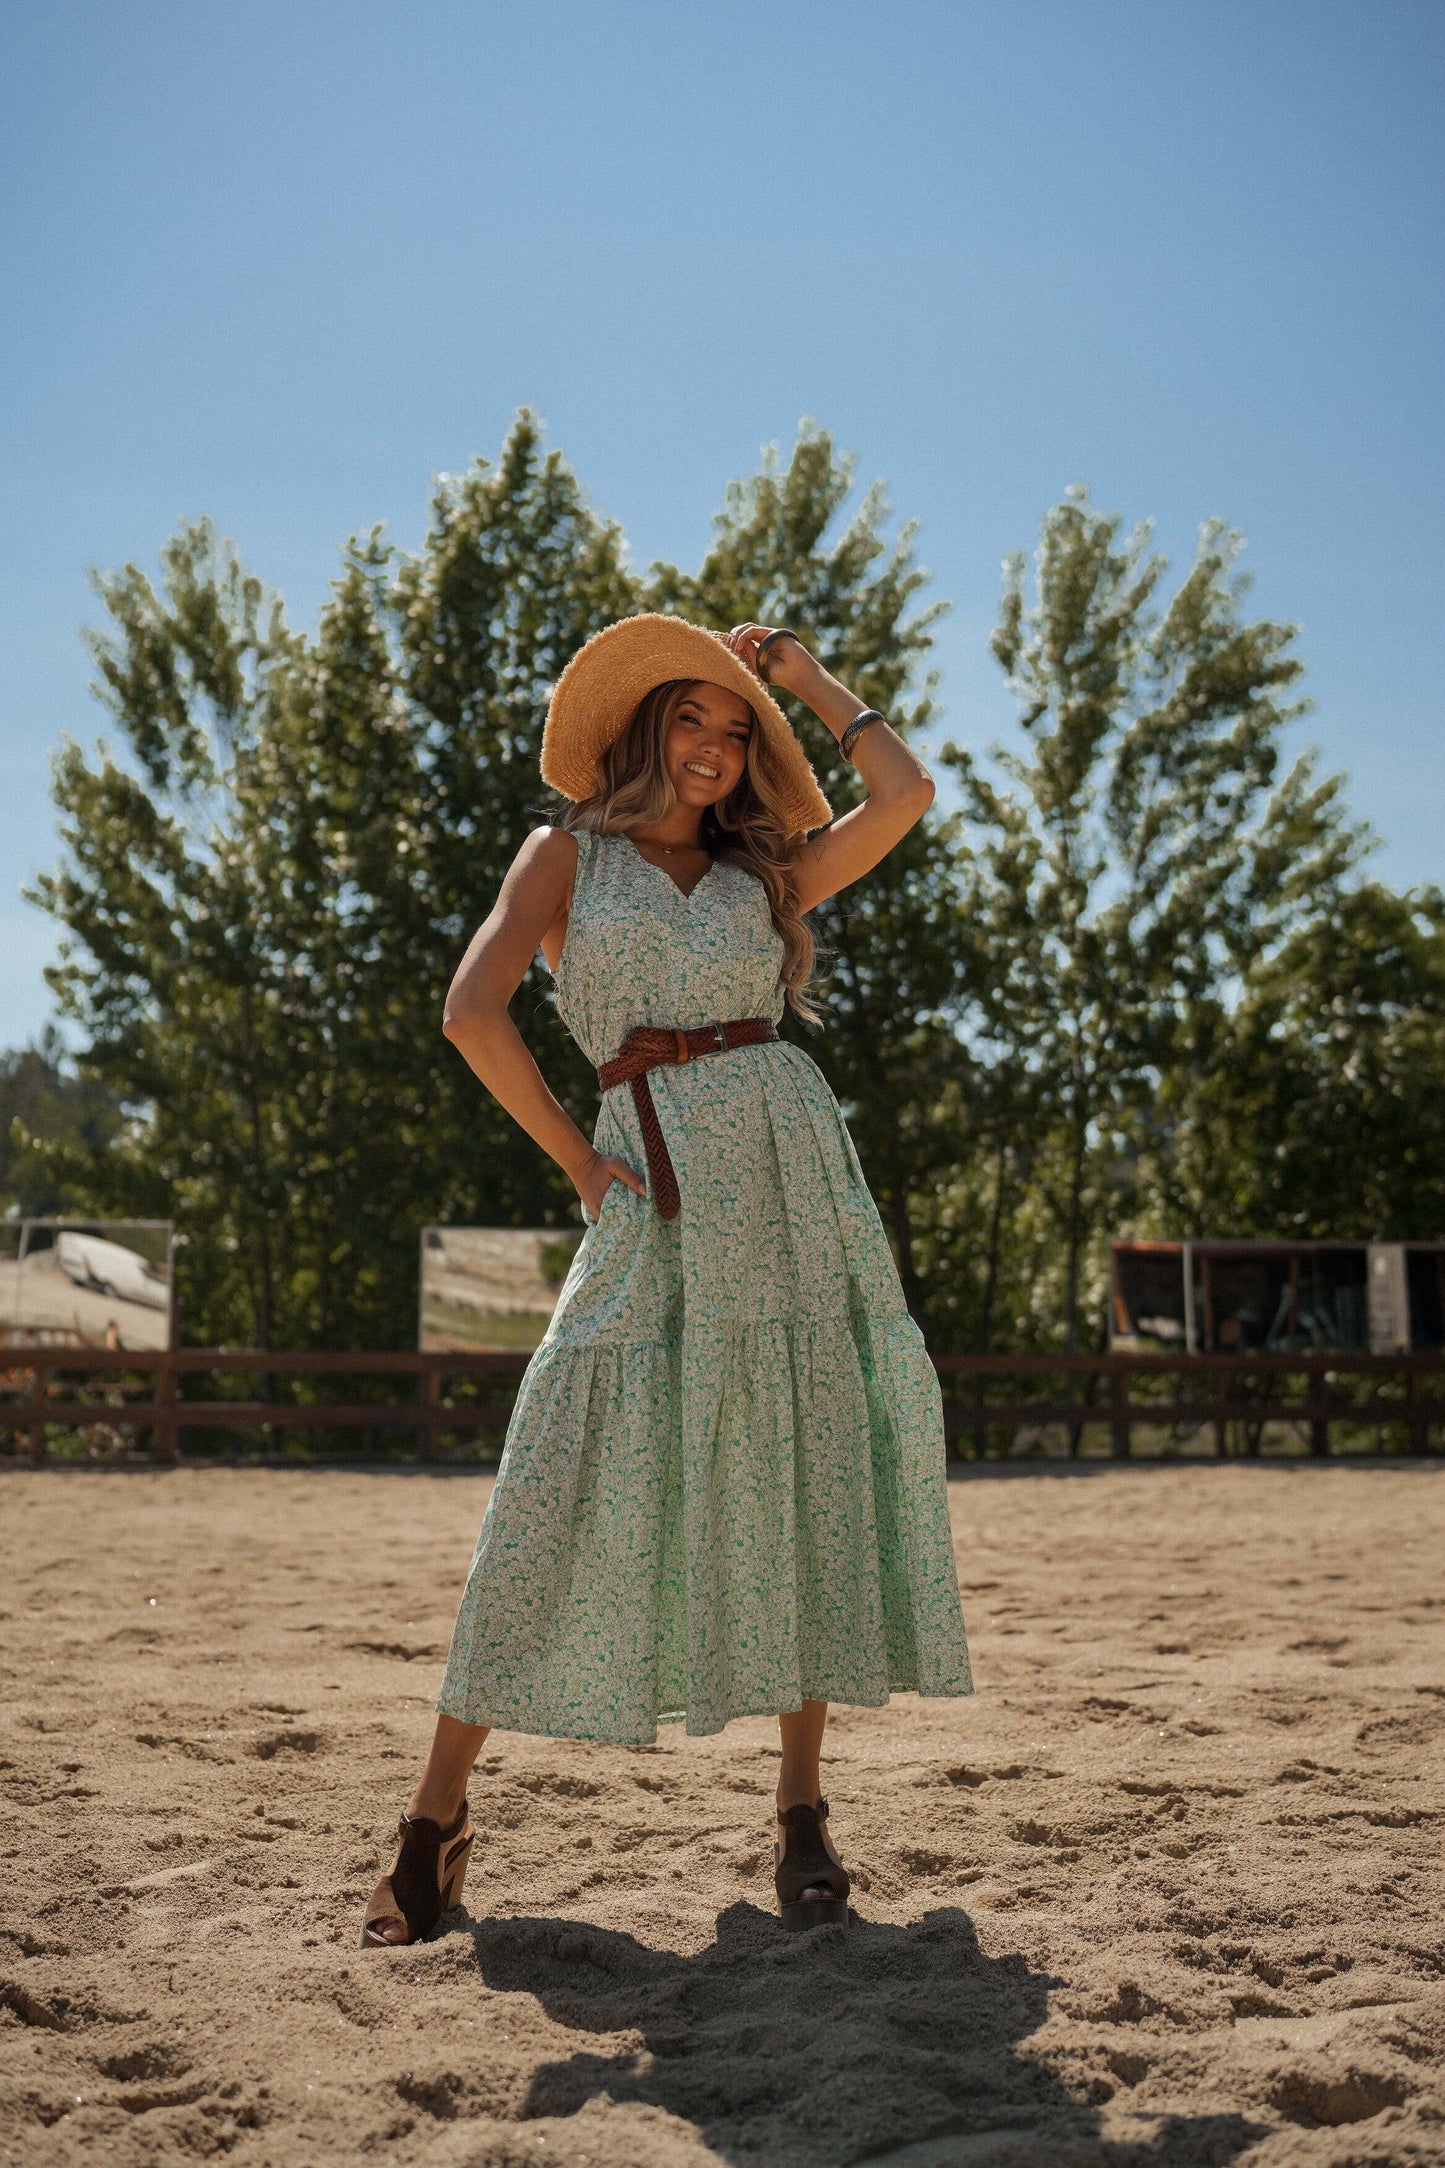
(898, 2045)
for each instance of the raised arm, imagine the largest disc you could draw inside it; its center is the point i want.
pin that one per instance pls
(530, 911)
(900, 788)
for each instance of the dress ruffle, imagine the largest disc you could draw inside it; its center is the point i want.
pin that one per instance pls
(773, 1541)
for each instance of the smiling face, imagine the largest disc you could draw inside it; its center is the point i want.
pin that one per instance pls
(705, 743)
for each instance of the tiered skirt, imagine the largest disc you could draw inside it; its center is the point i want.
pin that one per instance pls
(723, 1487)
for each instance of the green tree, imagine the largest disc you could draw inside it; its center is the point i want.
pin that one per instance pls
(43, 1101)
(265, 898)
(162, 963)
(894, 953)
(1129, 980)
(517, 572)
(1310, 1104)
(1143, 852)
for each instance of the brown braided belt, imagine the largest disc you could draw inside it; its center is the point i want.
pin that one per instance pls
(647, 1048)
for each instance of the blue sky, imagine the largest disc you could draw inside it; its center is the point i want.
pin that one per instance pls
(283, 263)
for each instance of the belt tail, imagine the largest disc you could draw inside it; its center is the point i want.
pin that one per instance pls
(665, 1193)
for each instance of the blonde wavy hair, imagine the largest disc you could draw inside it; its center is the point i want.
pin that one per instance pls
(747, 827)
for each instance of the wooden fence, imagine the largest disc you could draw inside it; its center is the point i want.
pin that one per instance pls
(992, 1403)
(1182, 1394)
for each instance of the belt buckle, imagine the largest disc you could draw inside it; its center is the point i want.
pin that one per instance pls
(722, 1037)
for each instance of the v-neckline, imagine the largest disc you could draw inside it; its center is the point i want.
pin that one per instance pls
(686, 894)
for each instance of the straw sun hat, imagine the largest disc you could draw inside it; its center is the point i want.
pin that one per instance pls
(596, 695)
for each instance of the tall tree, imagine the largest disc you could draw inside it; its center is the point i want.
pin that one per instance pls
(265, 898)
(517, 572)
(894, 952)
(1143, 851)
(163, 963)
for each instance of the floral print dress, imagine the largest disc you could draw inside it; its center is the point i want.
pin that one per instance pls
(723, 1486)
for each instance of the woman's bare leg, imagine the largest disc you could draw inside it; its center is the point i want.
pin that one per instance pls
(443, 1787)
(799, 1780)
(799, 1783)
(438, 1797)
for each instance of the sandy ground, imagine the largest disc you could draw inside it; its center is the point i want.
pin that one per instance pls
(1168, 1890)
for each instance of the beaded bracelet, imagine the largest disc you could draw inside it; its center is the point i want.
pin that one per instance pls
(856, 727)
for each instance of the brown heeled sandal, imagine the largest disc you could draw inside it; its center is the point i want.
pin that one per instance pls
(801, 1864)
(425, 1880)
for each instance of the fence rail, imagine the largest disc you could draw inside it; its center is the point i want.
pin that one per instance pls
(1120, 1394)
(1191, 1392)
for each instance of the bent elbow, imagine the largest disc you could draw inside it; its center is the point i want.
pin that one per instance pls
(468, 1021)
(923, 795)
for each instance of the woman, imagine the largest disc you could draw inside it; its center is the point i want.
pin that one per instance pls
(723, 1488)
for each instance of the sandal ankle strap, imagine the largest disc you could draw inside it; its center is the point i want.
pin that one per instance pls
(427, 1821)
(820, 1812)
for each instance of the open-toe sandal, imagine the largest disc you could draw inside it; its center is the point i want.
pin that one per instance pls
(812, 1888)
(425, 1880)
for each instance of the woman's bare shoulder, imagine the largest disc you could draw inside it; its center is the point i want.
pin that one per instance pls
(549, 847)
(547, 859)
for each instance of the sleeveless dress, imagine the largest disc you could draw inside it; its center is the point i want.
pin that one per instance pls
(723, 1486)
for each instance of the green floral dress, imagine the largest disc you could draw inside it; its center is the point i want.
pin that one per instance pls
(723, 1485)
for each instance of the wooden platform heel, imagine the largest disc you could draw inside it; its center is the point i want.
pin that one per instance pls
(812, 1888)
(425, 1880)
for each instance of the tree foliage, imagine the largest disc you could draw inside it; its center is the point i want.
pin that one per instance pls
(1142, 852)
(1131, 980)
(265, 899)
(45, 1104)
(1310, 1106)
(893, 953)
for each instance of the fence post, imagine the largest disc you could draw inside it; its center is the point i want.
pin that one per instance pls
(1419, 1426)
(163, 1434)
(431, 1395)
(1120, 1383)
(1076, 1427)
(38, 1389)
(1319, 1424)
(1221, 1423)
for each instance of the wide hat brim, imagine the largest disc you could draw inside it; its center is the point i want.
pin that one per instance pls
(597, 695)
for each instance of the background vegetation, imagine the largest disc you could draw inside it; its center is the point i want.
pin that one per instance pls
(1138, 979)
